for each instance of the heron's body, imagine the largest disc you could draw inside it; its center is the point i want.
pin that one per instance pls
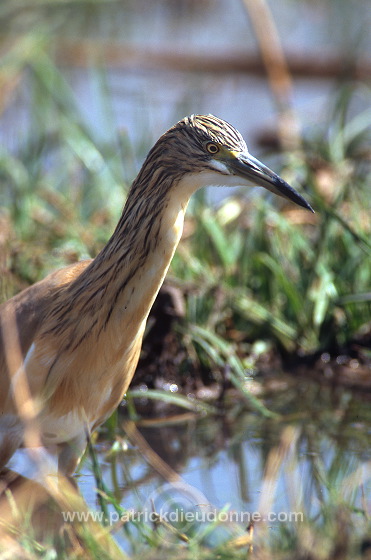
(80, 329)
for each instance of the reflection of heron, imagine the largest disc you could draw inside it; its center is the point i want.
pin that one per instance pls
(80, 329)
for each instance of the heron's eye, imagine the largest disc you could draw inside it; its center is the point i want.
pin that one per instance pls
(212, 148)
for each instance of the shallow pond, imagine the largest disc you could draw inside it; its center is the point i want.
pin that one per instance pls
(219, 473)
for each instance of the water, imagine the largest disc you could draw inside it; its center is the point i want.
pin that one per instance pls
(228, 463)
(145, 102)
(235, 467)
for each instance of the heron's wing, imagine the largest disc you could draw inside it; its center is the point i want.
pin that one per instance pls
(20, 321)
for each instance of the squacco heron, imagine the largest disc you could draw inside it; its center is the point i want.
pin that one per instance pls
(80, 329)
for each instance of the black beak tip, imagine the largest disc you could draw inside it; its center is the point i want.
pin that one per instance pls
(300, 201)
(288, 192)
(249, 167)
(308, 206)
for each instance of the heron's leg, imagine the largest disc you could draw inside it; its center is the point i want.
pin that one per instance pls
(70, 453)
(11, 437)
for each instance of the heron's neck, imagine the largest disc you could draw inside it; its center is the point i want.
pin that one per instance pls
(113, 295)
(140, 253)
(118, 288)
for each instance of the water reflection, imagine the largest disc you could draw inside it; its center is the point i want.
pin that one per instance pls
(229, 470)
(316, 450)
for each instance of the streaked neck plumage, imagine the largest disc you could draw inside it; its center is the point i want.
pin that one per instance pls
(122, 282)
(100, 317)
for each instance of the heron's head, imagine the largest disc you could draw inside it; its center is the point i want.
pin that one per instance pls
(209, 151)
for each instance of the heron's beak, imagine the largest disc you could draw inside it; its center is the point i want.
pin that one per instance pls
(248, 167)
